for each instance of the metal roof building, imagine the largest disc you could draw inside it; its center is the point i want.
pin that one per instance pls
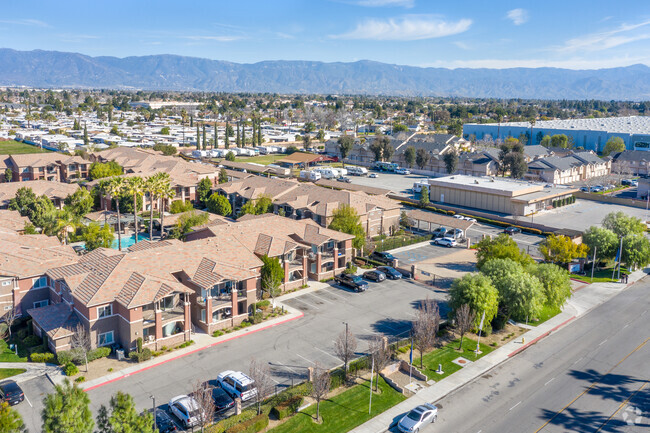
(591, 134)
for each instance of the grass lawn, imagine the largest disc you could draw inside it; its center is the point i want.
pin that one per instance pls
(343, 412)
(600, 276)
(15, 147)
(8, 355)
(547, 313)
(8, 372)
(262, 159)
(447, 354)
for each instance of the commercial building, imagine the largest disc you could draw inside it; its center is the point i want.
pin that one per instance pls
(496, 195)
(590, 134)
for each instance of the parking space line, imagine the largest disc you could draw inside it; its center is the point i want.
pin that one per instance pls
(312, 362)
(327, 353)
(331, 292)
(306, 303)
(30, 403)
(287, 367)
(322, 299)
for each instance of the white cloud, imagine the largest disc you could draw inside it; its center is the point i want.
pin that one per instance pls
(406, 28)
(26, 22)
(518, 16)
(624, 34)
(573, 63)
(380, 3)
(214, 38)
(462, 45)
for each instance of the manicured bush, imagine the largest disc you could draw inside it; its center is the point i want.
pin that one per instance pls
(255, 318)
(229, 422)
(185, 344)
(64, 357)
(217, 333)
(21, 334)
(350, 269)
(337, 378)
(287, 407)
(100, 352)
(253, 425)
(358, 365)
(31, 341)
(145, 355)
(42, 357)
(80, 379)
(70, 369)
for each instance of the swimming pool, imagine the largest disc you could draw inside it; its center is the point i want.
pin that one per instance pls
(127, 241)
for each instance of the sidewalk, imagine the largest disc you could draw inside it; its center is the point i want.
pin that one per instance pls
(580, 303)
(34, 370)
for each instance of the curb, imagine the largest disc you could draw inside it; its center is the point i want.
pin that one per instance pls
(216, 343)
(546, 334)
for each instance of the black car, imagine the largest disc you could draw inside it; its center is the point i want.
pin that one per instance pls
(512, 230)
(222, 400)
(164, 422)
(383, 257)
(377, 276)
(354, 282)
(11, 392)
(391, 273)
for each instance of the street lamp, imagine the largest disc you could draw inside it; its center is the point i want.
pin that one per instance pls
(155, 426)
(346, 349)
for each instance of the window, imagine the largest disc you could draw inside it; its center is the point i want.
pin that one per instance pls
(40, 304)
(39, 283)
(313, 268)
(6, 283)
(105, 311)
(7, 307)
(202, 315)
(105, 338)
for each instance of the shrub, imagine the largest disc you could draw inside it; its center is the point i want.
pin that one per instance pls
(31, 341)
(350, 269)
(263, 304)
(21, 334)
(80, 379)
(217, 333)
(337, 378)
(255, 318)
(185, 344)
(70, 369)
(145, 355)
(179, 206)
(253, 425)
(42, 357)
(100, 352)
(229, 422)
(287, 407)
(64, 357)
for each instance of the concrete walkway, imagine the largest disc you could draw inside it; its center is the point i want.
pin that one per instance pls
(580, 303)
(33, 370)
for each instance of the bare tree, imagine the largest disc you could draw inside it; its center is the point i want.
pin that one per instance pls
(80, 344)
(320, 386)
(261, 375)
(425, 326)
(9, 318)
(202, 394)
(380, 355)
(464, 321)
(345, 347)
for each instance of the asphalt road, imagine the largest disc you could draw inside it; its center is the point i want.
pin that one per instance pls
(590, 376)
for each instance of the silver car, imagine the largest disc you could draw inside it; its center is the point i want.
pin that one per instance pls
(418, 418)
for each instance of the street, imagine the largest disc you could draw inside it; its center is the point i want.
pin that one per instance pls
(590, 376)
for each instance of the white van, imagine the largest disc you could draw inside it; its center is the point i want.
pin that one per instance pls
(327, 172)
(357, 171)
(417, 186)
(309, 175)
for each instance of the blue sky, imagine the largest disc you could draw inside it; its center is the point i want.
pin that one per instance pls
(454, 33)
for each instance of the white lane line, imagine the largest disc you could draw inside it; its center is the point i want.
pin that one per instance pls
(578, 360)
(311, 362)
(644, 312)
(603, 342)
(322, 299)
(549, 381)
(626, 326)
(274, 380)
(287, 367)
(327, 353)
(30, 403)
(306, 303)
(515, 406)
(331, 292)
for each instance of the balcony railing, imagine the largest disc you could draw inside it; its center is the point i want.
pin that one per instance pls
(178, 312)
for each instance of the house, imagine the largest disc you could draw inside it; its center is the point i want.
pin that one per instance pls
(631, 162)
(568, 169)
(55, 191)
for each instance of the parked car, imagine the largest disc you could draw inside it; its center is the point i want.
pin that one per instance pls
(446, 242)
(626, 182)
(222, 401)
(403, 171)
(390, 272)
(354, 282)
(237, 384)
(470, 219)
(186, 409)
(459, 217)
(377, 276)
(11, 392)
(383, 257)
(440, 232)
(164, 422)
(343, 179)
(584, 189)
(373, 175)
(512, 230)
(418, 418)
(455, 234)
(609, 187)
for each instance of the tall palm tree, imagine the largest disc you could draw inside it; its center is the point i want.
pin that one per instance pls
(151, 187)
(532, 122)
(166, 192)
(102, 187)
(116, 188)
(135, 186)
(64, 221)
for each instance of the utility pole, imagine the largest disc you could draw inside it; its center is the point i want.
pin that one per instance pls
(620, 259)
(593, 264)
(155, 426)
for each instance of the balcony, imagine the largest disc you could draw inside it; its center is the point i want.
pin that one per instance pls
(295, 263)
(176, 313)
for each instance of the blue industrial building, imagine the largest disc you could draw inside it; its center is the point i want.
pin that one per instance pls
(591, 134)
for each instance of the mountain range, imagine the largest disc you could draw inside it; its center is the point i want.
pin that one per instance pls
(54, 69)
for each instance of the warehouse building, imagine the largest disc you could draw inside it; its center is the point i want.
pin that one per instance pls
(590, 134)
(503, 196)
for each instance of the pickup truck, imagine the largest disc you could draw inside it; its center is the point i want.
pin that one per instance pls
(354, 282)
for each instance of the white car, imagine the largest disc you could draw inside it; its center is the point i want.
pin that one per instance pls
(186, 409)
(446, 242)
(403, 171)
(417, 418)
(373, 175)
(237, 384)
(459, 217)
(470, 219)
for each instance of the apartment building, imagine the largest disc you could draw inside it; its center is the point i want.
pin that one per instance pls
(54, 167)
(55, 191)
(574, 167)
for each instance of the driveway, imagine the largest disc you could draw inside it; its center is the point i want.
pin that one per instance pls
(583, 214)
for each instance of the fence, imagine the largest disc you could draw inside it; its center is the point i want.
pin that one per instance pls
(397, 242)
(612, 200)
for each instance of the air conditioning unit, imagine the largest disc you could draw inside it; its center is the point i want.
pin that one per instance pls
(312, 256)
(151, 338)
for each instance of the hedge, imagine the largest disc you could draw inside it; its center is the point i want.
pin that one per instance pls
(31, 341)
(145, 355)
(253, 425)
(100, 352)
(225, 424)
(66, 356)
(288, 407)
(70, 369)
(42, 357)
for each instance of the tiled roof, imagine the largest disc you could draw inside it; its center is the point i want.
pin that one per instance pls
(40, 187)
(56, 320)
(23, 256)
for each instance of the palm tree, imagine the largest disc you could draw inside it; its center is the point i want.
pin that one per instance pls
(116, 188)
(166, 192)
(102, 186)
(151, 186)
(135, 186)
(64, 221)
(532, 123)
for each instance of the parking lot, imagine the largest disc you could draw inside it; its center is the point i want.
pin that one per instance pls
(398, 183)
(30, 409)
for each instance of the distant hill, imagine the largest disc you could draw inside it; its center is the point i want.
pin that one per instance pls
(169, 72)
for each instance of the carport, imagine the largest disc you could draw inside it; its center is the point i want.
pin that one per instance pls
(429, 220)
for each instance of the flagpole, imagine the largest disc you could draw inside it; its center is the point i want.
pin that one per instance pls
(372, 372)
(411, 360)
(480, 328)
(619, 259)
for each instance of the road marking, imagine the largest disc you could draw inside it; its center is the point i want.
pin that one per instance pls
(515, 406)
(306, 303)
(326, 353)
(30, 403)
(549, 381)
(593, 384)
(287, 367)
(603, 342)
(626, 326)
(644, 312)
(331, 292)
(621, 407)
(322, 299)
(274, 380)
(305, 358)
(578, 360)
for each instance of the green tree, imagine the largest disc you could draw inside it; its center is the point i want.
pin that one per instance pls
(455, 128)
(345, 219)
(614, 145)
(204, 190)
(636, 251)
(243, 134)
(96, 236)
(272, 275)
(561, 249)
(238, 141)
(219, 204)
(99, 170)
(376, 149)
(623, 225)
(198, 137)
(546, 141)
(117, 188)
(604, 240)
(556, 284)
(152, 187)
(166, 149)
(80, 202)
(306, 141)
(9, 175)
(477, 291)
(186, 222)
(223, 176)
(422, 158)
(166, 192)
(134, 186)
(205, 139)
(263, 204)
(123, 417)
(346, 144)
(180, 206)
(164, 130)
(560, 140)
(516, 163)
(451, 161)
(320, 135)
(23, 200)
(67, 410)
(226, 140)
(501, 247)
(230, 156)
(409, 156)
(424, 196)
(10, 420)
(86, 139)
(398, 127)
